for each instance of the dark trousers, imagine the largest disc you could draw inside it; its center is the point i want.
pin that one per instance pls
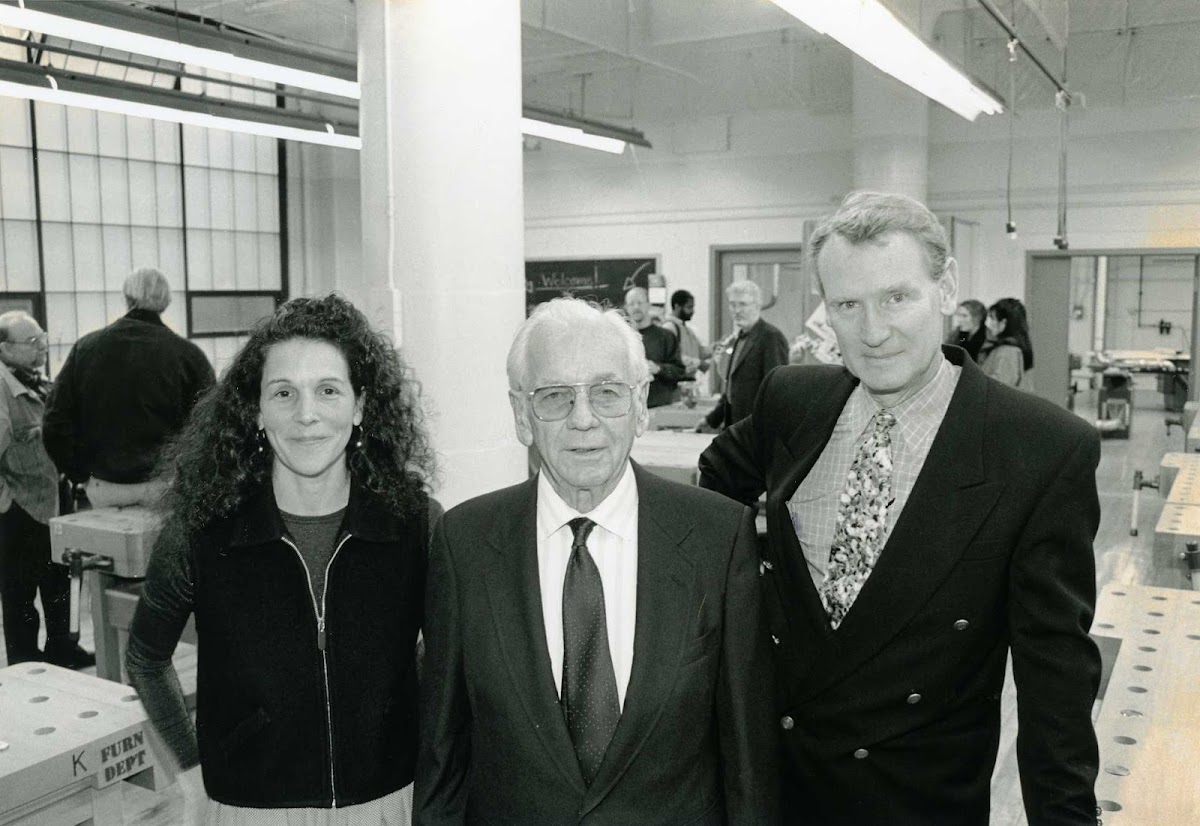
(25, 567)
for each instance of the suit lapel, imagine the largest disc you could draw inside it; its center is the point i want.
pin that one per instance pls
(514, 592)
(664, 588)
(743, 347)
(950, 500)
(805, 444)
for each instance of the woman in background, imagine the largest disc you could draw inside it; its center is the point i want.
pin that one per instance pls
(295, 530)
(969, 331)
(1007, 355)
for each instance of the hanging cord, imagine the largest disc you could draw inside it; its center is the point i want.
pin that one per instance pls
(1063, 101)
(1010, 226)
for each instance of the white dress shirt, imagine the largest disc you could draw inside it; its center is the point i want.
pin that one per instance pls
(613, 545)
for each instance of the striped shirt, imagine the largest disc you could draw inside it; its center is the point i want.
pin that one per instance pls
(813, 507)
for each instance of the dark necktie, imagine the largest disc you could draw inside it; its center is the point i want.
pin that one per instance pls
(589, 684)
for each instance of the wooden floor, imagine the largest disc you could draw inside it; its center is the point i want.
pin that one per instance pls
(1120, 558)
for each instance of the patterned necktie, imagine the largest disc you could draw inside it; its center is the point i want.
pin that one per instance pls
(862, 518)
(589, 684)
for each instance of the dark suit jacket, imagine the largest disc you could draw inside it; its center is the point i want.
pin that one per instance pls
(762, 349)
(696, 741)
(895, 717)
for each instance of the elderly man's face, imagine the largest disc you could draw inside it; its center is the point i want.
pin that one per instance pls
(26, 345)
(745, 310)
(886, 311)
(583, 455)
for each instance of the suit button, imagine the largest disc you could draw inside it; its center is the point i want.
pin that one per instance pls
(861, 754)
(913, 699)
(788, 723)
(961, 625)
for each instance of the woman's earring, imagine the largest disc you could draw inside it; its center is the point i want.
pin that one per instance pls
(358, 442)
(261, 437)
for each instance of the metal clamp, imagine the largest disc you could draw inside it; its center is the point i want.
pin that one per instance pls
(1191, 558)
(77, 562)
(1139, 482)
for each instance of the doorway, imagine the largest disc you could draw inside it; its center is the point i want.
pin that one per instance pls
(781, 274)
(1130, 308)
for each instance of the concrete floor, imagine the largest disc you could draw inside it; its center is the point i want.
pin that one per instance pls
(1120, 558)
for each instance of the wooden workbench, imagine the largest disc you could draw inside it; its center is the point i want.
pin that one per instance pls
(1149, 723)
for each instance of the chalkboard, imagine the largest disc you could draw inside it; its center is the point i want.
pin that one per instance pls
(604, 281)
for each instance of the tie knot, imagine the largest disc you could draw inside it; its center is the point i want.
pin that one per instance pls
(581, 526)
(884, 421)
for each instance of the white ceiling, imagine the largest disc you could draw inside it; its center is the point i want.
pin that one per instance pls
(629, 61)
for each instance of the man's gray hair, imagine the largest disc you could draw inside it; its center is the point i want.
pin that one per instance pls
(9, 319)
(563, 316)
(147, 289)
(865, 216)
(745, 288)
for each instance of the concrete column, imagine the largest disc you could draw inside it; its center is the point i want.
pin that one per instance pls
(891, 134)
(443, 217)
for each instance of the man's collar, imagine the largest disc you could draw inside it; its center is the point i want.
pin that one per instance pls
(745, 331)
(615, 514)
(148, 316)
(14, 384)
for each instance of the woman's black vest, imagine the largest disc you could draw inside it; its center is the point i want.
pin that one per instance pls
(289, 715)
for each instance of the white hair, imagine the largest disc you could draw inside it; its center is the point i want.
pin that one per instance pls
(147, 289)
(564, 316)
(746, 288)
(9, 320)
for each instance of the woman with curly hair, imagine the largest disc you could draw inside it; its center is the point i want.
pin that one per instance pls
(295, 530)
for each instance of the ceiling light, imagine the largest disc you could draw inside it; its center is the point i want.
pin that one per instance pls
(146, 110)
(109, 37)
(568, 134)
(874, 34)
(568, 128)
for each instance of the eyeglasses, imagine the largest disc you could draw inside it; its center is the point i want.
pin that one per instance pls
(607, 398)
(40, 340)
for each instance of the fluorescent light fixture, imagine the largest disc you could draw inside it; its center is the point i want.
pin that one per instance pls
(52, 94)
(571, 134)
(874, 34)
(109, 37)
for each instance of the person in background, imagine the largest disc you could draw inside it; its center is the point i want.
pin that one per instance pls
(662, 348)
(968, 331)
(695, 356)
(28, 499)
(758, 348)
(122, 393)
(925, 524)
(595, 651)
(296, 530)
(1007, 356)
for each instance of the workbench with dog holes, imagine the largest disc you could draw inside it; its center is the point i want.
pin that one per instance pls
(68, 741)
(1149, 722)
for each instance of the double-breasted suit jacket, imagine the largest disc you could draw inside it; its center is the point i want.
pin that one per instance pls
(895, 716)
(696, 740)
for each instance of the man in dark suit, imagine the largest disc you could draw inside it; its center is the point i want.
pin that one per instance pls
(924, 522)
(756, 349)
(595, 650)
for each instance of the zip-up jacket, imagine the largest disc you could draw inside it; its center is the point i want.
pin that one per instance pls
(303, 699)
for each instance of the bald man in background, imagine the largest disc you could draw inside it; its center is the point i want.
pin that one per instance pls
(662, 349)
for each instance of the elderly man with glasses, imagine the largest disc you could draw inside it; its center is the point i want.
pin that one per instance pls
(28, 498)
(594, 640)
